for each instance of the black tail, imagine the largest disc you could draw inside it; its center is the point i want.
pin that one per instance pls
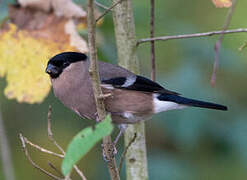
(190, 102)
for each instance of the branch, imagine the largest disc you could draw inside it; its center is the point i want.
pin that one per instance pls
(41, 148)
(55, 169)
(195, 35)
(152, 42)
(94, 74)
(218, 43)
(50, 135)
(23, 143)
(107, 10)
(100, 5)
(124, 26)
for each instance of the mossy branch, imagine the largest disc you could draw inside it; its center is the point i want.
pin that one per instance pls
(136, 159)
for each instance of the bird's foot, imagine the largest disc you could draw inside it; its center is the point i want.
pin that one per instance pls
(103, 96)
(112, 152)
(122, 128)
(97, 117)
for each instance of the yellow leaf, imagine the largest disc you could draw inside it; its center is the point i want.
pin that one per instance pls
(222, 3)
(23, 60)
(26, 46)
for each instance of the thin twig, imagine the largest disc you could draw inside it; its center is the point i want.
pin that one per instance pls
(23, 143)
(94, 75)
(195, 35)
(79, 172)
(42, 149)
(101, 5)
(218, 43)
(54, 168)
(50, 135)
(152, 42)
(108, 10)
(124, 153)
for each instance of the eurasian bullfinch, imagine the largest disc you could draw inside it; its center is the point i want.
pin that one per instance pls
(133, 98)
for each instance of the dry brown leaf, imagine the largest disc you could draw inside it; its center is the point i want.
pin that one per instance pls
(25, 47)
(65, 8)
(44, 5)
(222, 3)
(75, 39)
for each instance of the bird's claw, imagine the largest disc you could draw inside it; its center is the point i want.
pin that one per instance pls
(112, 154)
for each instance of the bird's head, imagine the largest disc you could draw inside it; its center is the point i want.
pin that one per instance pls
(59, 62)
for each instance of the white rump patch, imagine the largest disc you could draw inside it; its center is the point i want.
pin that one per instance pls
(160, 106)
(129, 81)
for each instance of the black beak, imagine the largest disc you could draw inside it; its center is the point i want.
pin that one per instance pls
(52, 71)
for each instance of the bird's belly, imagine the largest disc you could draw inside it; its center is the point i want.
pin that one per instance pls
(128, 106)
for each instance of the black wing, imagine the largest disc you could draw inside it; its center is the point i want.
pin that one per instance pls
(137, 83)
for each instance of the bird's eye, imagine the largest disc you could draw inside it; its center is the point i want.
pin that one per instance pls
(65, 64)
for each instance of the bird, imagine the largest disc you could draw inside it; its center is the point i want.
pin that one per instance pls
(133, 98)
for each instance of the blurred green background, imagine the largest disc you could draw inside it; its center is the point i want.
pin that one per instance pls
(184, 144)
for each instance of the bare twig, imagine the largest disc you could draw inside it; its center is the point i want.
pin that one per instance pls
(42, 149)
(124, 153)
(195, 35)
(94, 74)
(218, 43)
(152, 42)
(50, 135)
(101, 5)
(23, 142)
(79, 172)
(54, 168)
(52, 153)
(108, 10)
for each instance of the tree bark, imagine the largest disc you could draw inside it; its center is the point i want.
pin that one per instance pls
(136, 159)
(94, 74)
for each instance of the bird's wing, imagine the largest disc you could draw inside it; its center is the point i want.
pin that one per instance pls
(136, 83)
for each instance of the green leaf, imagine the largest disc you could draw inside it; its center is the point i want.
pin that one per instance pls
(83, 142)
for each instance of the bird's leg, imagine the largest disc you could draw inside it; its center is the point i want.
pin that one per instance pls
(111, 150)
(103, 153)
(97, 117)
(122, 128)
